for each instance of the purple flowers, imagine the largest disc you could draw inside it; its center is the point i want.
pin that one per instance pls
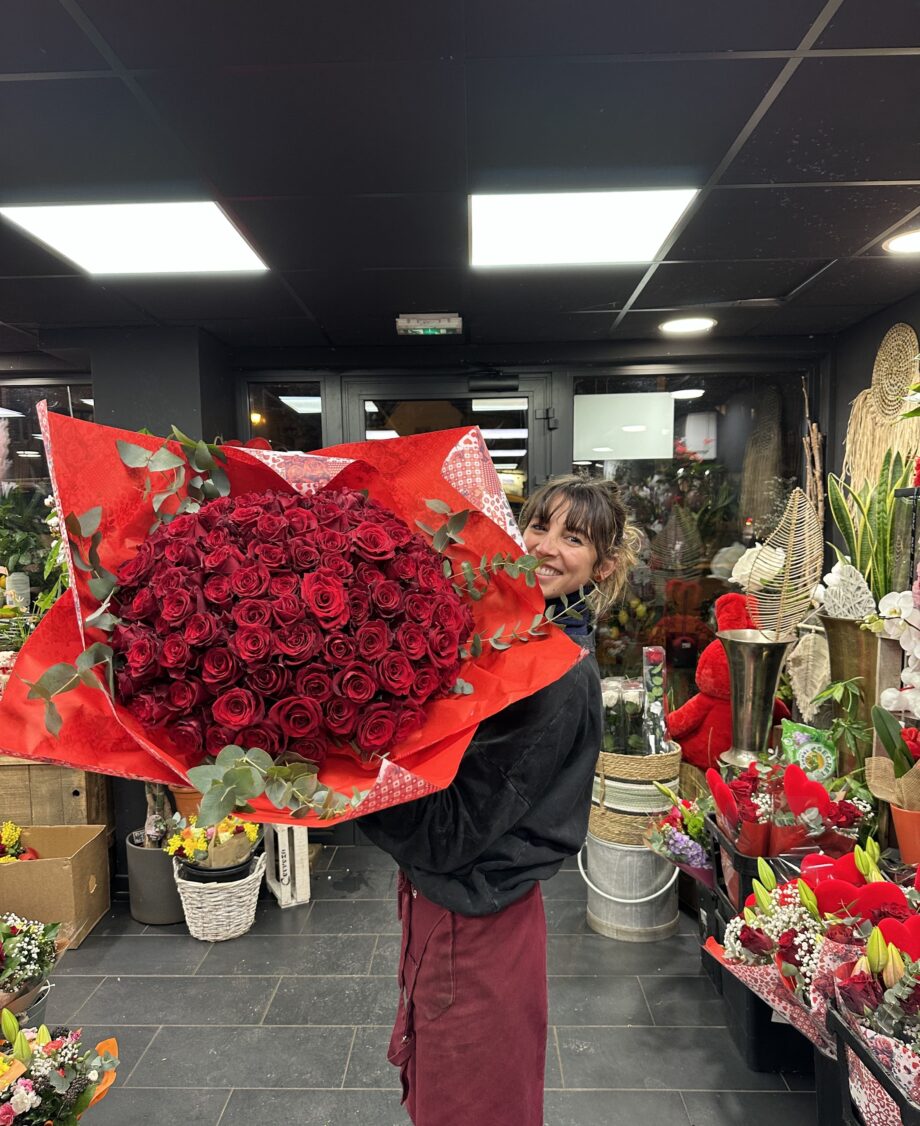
(684, 849)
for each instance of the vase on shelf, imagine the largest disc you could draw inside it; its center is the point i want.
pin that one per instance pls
(754, 664)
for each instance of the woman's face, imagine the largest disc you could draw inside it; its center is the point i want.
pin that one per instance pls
(567, 556)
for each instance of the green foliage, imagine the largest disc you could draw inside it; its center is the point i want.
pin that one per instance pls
(847, 727)
(889, 732)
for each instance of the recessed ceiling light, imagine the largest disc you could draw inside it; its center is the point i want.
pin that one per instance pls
(688, 393)
(572, 228)
(140, 238)
(28, 453)
(5, 412)
(507, 453)
(906, 243)
(303, 404)
(681, 325)
(499, 405)
(633, 429)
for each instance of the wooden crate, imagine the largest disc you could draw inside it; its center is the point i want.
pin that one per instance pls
(39, 794)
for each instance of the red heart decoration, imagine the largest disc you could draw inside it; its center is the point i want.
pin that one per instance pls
(875, 897)
(904, 936)
(837, 897)
(724, 798)
(845, 869)
(802, 793)
(817, 867)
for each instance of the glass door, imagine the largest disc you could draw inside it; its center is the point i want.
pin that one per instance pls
(514, 432)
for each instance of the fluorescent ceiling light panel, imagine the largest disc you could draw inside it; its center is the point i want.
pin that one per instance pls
(510, 465)
(487, 405)
(5, 412)
(89, 402)
(599, 426)
(27, 453)
(303, 404)
(140, 238)
(573, 228)
(370, 407)
(634, 429)
(372, 435)
(494, 435)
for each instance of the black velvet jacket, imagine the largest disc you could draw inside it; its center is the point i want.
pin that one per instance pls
(517, 807)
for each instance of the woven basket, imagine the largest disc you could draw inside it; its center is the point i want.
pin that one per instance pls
(216, 912)
(625, 797)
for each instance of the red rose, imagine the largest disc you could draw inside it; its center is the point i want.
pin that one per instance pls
(181, 555)
(861, 992)
(330, 542)
(219, 668)
(252, 612)
(177, 606)
(224, 560)
(372, 542)
(143, 657)
(303, 555)
(125, 686)
(270, 527)
(246, 515)
(409, 720)
(336, 565)
(787, 948)
(327, 511)
(395, 674)
(250, 581)
(285, 583)
(899, 911)
(748, 811)
(201, 629)
(287, 609)
(326, 599)
(298, 642)
(136, 569)
(301, 521)
(842, 933)
(217, 737)
(149, 708)
(312, 681)
(175, 653)
(143, 605)
(341, 716)
(376, 729)
(188, 733)
(297, 716)
(356, 683)
(269, 680)
(411, 640)
(911, 736)
(219, 537)
(339, 650)
(373, 640)
(217, 590)
(186, 694)
(174, 578)
(253, 646)
(312, 747)
(427, 682)
(237, 708)
(387, 597)
(443, 647)
(754, 940)
(263, 735)
(843, 814)
(911, 1004)
(419, 609)
(271, 555)
(369, 575)
(359, 605)
(404, 568)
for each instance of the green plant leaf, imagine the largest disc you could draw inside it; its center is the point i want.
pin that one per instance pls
(229, 756)
(53, 721)
(766, 874)
(457, 523)
(216, 804)
(259, 758)
(202, 459)
(439, 506)
(88, 522)
(101, 587)
(204, 777)
(9, 1026)
(840, 514)
(135, 457)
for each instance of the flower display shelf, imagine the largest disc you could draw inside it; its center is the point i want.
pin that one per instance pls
(890, 1105)
(735, 871)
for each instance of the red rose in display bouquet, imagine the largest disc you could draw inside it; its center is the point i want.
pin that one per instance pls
(334, 625)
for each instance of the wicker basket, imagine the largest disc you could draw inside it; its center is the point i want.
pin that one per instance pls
(216, 912)
(625, 797)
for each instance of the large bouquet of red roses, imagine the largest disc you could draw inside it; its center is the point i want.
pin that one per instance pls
(350, 613)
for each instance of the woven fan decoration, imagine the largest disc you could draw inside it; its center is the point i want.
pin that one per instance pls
(783, 597)
(809, 669)
(677, 550)
(875, 416)
(850, 596)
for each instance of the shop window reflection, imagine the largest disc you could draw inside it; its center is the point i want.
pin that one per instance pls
(289, 415)
(22, 455)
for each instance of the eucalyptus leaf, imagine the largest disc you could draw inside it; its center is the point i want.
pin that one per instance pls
(229, 756)
(204, 777)
(439, 506)
(58, 678)
(259, 758)
(216, 804)
(101, 587)
(220, 481)
(202, 459)
(135, 457)
(245, 781)
(53, 721)
(440, 540)
(89, 521)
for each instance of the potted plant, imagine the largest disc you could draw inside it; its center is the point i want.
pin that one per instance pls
(215, 854)
(896, 779)
(28, 952)
(151, 887)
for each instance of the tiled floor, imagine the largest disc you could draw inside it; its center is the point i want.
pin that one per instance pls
(290, 1022)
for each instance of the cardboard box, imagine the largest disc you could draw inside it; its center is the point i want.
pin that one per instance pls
(69, 884)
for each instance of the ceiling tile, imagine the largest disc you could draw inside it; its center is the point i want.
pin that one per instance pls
(19, 255)
(48, 302)
(17, 340)
(38, 36)
(864, 281)
(879, 23)
(792, 222)
(592, 124)
(521, 328)
(551, 290)
(592, 27)
(374, 127)
(798, 319)
(175, 33)
(83, 139)
(837, 119)
(338, 297)
(357, 232)
(185, 300)
(678, 284)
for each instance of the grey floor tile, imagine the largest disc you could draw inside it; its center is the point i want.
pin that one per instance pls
(67, 995)
(728, 1108)
(117, 920)
(361, 857)
(597, 1000)
(566, 916)
(667, 1059)
(134, 954)
(386, 956)
(797, 1082)
(179, 1000)
(368, 1065)
(318, 1108)
(345, 883)
(323, 860)
(565, 885)
(626, 1108)
(272, 919)
(127, 1106)
(595, 954)
(552, 1072)
(334, 1000)
(132, 1044)
(688, 923)
(683, 1000)
(244, 1057)
(257, 954)
(353, 916)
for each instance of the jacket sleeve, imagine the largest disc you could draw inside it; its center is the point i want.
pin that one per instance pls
(512, 760)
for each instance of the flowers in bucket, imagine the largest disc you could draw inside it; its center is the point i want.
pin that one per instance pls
(224, 845)
(28, 952)
(47, 1077)
(293, 634)
(11, 844)
(681, 836)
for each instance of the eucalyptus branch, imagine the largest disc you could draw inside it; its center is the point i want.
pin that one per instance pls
(63, 677)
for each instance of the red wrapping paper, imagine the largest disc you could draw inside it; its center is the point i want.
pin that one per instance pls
(100, 735)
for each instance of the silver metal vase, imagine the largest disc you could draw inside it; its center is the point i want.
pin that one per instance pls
(754, 665)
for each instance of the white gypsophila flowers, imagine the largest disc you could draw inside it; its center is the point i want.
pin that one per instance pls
(786, 913)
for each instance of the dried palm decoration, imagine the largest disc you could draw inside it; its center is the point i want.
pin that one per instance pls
(779, 598)
(813, 443)
(809, 669)
(762, 460)
(875, 416)
(677, 550)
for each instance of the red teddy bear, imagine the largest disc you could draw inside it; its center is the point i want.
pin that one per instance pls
(703, 726)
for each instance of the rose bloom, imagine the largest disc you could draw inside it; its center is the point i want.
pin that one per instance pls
(287, 609)
(143, 657)
(373, 640)
(237, 708)
(754, 940)
(787, 949)
(341, 716)
(253, 646)
(298, 642)
(284, 583)
(175, 653)
(339, 649)
(376, 729)
(313, 681)
(250, 581)
(356, 683)
(270, 680)
(217, 591)
(270, 555)
(136, 569)
(372, 542)
(177, 606)
(842, 933)
(217, 737)
(395, 674)
(266, 736)
(387, 597)
(860, 992)
(201, 629)
(297, 716)
(911, 736)
(219, 668)
(411, 640)
(186, 694)
(252, 612)
(325, 598)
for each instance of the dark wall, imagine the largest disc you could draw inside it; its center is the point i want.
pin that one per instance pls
(854, 355)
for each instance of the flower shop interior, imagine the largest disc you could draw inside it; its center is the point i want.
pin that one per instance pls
(675, 245)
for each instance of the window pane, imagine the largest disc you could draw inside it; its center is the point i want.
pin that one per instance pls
(289, 415)
(22, 456)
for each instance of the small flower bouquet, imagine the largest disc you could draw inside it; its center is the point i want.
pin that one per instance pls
(224, 845)
(11, 846)
(681, 836)
(28, 952)
(46, 1079)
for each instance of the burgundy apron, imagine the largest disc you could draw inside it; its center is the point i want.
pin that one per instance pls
(470, 1032)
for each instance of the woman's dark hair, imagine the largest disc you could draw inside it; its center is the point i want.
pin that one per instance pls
(596, 509)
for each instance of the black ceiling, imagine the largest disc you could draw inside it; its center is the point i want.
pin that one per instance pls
(344, 139)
